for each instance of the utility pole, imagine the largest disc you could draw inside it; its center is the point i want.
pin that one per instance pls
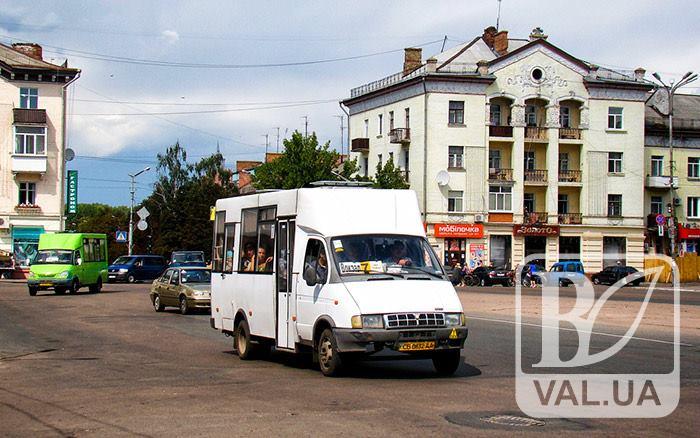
(498, 16)
(278, 138)
(131, 209)
(342, 130)
(671, 90)
(306, 125)
(267, 144)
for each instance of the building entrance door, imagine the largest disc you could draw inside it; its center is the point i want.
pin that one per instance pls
(536, 245)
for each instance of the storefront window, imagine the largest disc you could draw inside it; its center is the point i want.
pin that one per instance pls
(455, 252)
(614, 251)
(500, 251)
(25, 245)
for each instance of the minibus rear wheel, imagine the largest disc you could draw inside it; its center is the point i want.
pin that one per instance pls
(243, 344)
(328, 357)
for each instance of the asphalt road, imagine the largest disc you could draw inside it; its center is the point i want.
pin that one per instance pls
(108, 365)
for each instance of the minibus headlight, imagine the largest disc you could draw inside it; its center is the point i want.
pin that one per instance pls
(454, 319)
(367, 321)
(63, 274)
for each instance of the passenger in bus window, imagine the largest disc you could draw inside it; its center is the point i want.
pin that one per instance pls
(248, 259)
(264, 262)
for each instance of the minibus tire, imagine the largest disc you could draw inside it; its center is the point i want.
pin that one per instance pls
(73, 288)
(97, 287)
(243, 344)
(329, 360)
(32, 291)
(447, 362)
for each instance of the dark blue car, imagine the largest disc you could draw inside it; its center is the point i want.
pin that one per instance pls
(136, 268)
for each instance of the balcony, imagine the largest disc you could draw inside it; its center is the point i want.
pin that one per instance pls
(570, 133)
(570, 176)
(570, 218)
(535, 217)
(29, 164)
(661, 182)
(536, 176)
(535, 133)
(28, 210)
(500, 131)
(24, 115)
(359, 145)
(496, 175)
(400, 135)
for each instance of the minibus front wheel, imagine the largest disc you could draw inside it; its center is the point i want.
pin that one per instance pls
(329, 359)
(447, 362)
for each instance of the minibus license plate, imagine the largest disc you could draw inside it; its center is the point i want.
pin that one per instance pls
(417, 346)
(45, 284)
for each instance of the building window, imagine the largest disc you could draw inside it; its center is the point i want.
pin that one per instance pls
(563, 162)
(380, 121)
(366, 128)
(563, 204)
(27, 193)
(657, 165)
(455, 157)
(615, 205)
(454, 200)
(408, 117)
(528, 202)
(28, 98)
(494, 159)
(456, 116)
(495, 114)
(615, 162)
(391, 120)
(565, 117)
(693, 167)
(500, 198)
(379, 158)
(531, 115)
(657, 205)
(614, 117)
(529, 160)
(405, 164)
(30, 140)
(366, 165)
(693, 207)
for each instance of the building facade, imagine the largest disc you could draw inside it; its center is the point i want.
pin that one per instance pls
(32, 143)
(681, 195)
(514, 147)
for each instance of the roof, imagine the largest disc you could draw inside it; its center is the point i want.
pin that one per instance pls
(13, 59)
(686, 112)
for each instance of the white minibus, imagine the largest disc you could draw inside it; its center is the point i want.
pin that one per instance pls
(343, 272)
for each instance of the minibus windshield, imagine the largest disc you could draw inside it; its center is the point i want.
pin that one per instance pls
(54, 257)
(384, 254)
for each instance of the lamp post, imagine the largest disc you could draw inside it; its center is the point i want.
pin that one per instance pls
(131, 209)
(671, 90)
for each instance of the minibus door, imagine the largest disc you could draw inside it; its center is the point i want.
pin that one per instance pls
(284, 284)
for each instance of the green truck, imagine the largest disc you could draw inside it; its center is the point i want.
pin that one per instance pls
(68, 261)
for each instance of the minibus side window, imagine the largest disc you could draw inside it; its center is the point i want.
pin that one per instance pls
(249, 240)
(218, 244)
(315, 259)
(87, 251)
(228, 253)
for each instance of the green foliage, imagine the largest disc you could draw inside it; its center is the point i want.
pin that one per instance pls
(101, 218)
(302, 162)
(389, 177)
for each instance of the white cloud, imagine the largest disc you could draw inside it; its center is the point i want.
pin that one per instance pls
(107, 135)
(170, 36)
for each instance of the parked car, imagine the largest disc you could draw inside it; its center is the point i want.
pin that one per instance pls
(612, 274)
(535, 269)
(136, 268)
(187, 288)
(566, 273)
(187, 258)
(67, 262)
(489, 275)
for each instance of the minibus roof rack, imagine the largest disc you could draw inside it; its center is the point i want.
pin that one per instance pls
(341, 184)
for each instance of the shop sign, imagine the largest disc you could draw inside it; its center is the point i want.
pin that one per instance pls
(536, 230)
(463, 231)
(72, 191)
(688, 233)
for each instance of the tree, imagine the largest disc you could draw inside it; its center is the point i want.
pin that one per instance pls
(389, 177)
(101, 218)
(302, 163)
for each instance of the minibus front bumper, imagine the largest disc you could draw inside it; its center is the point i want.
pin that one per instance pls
(46, 283)
(426, 340)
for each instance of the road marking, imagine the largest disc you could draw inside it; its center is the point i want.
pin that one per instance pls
(505, 321)
(667, 289)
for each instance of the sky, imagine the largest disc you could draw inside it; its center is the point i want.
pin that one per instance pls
(142, 61)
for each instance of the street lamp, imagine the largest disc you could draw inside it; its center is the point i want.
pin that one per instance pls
(671, 90)
(131, 209)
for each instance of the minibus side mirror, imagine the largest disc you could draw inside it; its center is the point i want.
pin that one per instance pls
(79, 261)
(310, 276)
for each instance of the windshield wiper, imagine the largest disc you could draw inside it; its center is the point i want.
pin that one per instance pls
(431, 273)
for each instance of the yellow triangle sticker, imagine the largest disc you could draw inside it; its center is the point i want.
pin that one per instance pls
(453, 334)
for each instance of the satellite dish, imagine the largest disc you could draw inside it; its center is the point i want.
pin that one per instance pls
(69, 155)
(442, 178)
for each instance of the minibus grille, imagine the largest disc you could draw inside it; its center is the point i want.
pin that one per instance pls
(404, 320)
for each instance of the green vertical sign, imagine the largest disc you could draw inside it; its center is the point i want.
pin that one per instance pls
(72, 196)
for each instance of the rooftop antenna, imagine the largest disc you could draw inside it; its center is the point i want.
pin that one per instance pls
(443, 43)
(278, 138)
(498, 17)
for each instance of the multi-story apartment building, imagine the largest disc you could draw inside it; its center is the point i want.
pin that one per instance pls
(514, 147)
(661, 193)
(32, 143)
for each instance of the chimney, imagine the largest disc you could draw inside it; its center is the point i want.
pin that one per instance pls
(412, 59)
(431, 65)
(489, 35)
(482, 67)
(500, 42)
(30, 49)
(537, 34)
(639, 74)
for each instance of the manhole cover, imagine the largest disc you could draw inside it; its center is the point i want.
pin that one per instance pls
(512, 420)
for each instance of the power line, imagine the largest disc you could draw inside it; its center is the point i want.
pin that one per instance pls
(130, 102)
